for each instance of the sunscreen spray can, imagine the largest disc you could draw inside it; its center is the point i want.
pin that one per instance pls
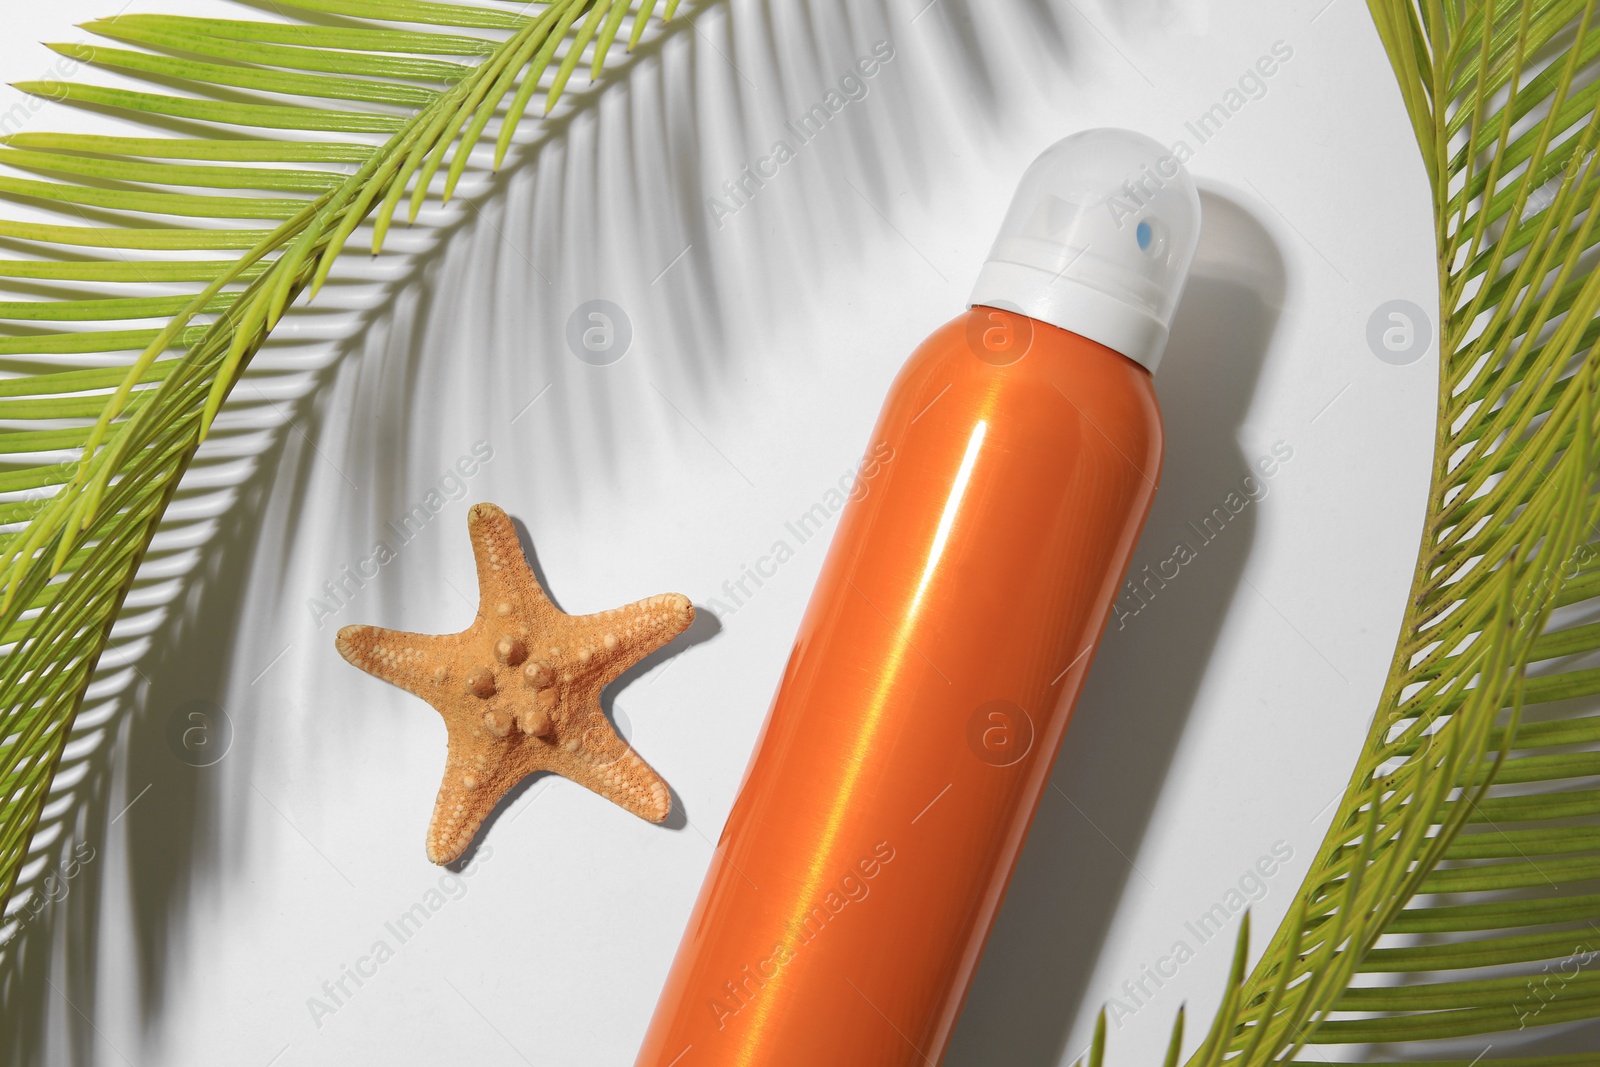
(948, 637)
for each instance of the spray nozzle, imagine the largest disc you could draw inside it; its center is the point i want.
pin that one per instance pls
(1098, 241)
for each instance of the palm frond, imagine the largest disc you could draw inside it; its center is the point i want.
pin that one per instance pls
(149, 270)
(1457, 892)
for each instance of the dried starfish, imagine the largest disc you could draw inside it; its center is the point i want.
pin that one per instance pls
(520, 688)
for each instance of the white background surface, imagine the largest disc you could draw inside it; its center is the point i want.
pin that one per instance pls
(1223, 720)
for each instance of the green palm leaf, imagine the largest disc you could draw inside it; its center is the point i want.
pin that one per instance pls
(306, 131)
(1457, 893)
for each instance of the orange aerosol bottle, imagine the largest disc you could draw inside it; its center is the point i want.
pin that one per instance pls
(953, 623)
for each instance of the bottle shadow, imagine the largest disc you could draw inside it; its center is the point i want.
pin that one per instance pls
(1148, 669)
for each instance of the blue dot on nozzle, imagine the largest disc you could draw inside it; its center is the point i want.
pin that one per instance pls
(1143, 234)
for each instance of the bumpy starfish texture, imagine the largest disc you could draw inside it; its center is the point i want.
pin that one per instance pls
(520, 688)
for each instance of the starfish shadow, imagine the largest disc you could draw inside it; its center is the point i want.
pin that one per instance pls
(514, 794)
(677, 816)
(704, 627)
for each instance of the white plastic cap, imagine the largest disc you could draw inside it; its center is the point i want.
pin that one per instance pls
(1098, 241)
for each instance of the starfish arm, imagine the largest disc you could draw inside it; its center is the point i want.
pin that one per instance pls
(467, 794)
(640, 629)
(657, 620)
(504, 577)
(608, 766)
(410, 661)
